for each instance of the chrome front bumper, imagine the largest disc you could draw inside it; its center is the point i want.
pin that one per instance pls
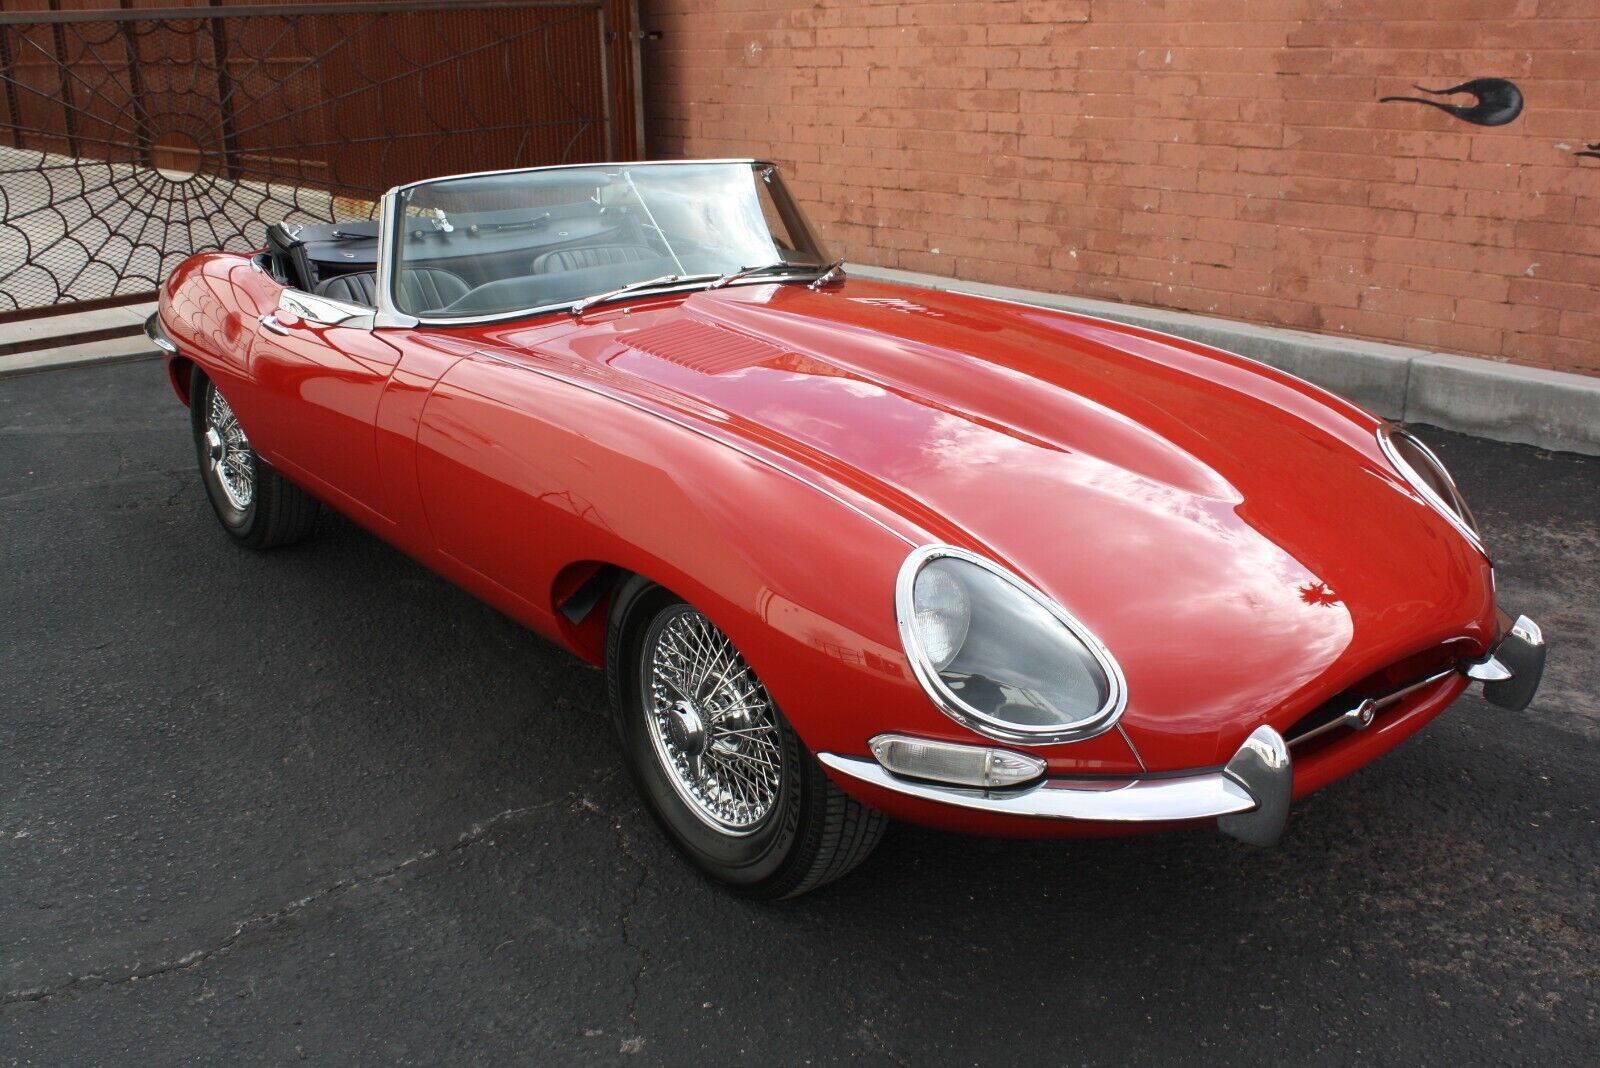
(1248, 797)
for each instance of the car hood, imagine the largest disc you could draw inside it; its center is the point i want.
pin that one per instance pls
(1232, 534)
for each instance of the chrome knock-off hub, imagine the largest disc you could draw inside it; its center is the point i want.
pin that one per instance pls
(216, 448)
(688, 732)
(229, 459)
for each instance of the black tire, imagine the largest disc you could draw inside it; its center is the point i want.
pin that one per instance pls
(813, 832)
(277, 511)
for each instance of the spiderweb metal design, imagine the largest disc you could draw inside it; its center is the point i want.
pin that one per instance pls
(131, 138)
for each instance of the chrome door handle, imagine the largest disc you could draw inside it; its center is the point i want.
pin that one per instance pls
(270, 322)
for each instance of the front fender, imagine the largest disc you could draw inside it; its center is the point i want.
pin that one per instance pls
(523, 472)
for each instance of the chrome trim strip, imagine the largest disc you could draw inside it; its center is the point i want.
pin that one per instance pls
(158, 337)
(1206, 795)
(1132, 748)
(1360, 717)
(1405, 691)
(389, 315)
(1103, 718)
(1414, 479)
(324, 311)
(572, 167)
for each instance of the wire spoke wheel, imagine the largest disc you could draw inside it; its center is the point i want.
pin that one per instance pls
(259, 508)
(715, 758)
(231, 461)
(712, 724)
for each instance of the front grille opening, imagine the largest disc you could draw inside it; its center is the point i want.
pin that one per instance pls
(1397, 678)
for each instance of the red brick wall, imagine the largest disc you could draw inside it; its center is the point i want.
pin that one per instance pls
(1219, 156)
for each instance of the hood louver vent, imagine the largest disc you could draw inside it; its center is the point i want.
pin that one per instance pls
(703, 347)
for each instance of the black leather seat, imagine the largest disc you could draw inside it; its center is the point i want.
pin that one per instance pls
(574, 259)
(422, 289)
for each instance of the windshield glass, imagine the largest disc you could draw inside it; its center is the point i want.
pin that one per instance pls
(497, 244)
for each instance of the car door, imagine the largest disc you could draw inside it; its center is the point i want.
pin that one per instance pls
(320, 386)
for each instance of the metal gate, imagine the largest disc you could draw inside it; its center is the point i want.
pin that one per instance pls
(131, 137)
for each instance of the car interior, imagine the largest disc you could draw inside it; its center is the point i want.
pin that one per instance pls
(485, 265)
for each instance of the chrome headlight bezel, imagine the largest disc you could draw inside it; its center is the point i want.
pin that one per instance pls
(1455, 510)
(951, 704)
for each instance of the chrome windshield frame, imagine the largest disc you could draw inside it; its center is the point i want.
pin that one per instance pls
(749, 161)
(389, 313)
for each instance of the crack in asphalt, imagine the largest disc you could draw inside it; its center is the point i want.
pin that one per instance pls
(33, 493)
(474, 834)
(625, 922)
(878, 1040)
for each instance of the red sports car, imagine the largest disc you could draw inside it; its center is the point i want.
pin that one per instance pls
(845, 550)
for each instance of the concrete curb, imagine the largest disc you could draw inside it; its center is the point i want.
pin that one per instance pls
(1501, 401)
(114, 350)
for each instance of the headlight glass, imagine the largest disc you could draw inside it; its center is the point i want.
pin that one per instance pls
(944, 615)
(1000, 657)
(1427, 475)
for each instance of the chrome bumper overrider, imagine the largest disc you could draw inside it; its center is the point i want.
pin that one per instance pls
(158, 337)
(1249, 797)
(1511, 674)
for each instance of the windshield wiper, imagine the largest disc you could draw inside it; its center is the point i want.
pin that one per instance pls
(764, 268)
(535, 223)
(611, 294)
(836, 267)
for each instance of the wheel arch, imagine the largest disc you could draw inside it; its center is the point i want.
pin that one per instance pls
(550, 489)
(180, 371)
(785, 611)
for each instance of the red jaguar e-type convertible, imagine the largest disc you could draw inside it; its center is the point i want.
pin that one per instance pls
(845, 550)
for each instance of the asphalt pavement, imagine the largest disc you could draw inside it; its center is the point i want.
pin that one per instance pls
(319, 804)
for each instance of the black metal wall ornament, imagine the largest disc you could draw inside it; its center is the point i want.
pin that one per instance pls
(1498, 101)
(1592, 151)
